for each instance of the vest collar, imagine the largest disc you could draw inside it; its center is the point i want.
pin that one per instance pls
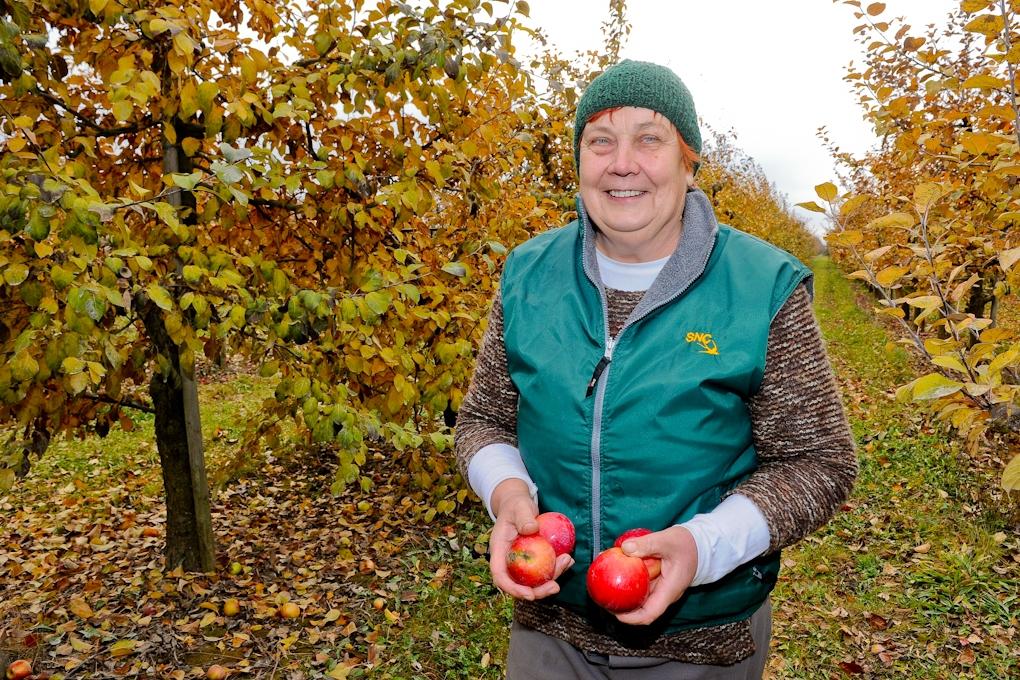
(682, 268)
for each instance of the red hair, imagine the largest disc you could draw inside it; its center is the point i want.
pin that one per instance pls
(689, 155)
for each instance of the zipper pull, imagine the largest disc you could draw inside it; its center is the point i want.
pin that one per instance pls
(599, 368)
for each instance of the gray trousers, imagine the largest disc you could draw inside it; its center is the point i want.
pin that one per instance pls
(536, 656)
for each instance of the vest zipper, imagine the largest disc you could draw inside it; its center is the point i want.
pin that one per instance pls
(600, 367)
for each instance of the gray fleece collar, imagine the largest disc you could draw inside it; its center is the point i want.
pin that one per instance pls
(682, 268)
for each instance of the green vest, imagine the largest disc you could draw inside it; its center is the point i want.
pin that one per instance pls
(655, 429)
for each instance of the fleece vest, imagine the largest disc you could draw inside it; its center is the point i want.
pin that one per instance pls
(652, 427)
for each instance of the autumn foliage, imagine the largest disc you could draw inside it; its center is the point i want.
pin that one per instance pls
(929, 217)
(324, 189)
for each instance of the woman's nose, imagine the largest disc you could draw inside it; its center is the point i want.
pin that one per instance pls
(624, 161)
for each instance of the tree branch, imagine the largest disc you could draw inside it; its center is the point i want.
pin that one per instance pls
(129, 403)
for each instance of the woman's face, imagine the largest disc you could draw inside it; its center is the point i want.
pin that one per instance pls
(633, 183)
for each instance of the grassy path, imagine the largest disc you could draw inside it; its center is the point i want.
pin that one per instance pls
(918, 577)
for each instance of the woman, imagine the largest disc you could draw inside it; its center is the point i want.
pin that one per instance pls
(645, 366)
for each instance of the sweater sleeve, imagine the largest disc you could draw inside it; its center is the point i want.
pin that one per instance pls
(488, 413)
(807, 460)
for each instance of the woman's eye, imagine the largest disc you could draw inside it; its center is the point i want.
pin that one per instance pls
(650, 139)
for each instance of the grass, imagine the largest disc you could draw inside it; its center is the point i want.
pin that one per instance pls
(915, 578)
(918, 577)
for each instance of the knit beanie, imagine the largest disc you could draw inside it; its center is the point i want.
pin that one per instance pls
(644, 85)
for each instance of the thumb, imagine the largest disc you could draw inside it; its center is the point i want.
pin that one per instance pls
(524, 520)
(642, 546)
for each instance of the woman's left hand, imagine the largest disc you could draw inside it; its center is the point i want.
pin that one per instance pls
(676, 548)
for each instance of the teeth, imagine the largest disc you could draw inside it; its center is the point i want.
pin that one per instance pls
(624, 194)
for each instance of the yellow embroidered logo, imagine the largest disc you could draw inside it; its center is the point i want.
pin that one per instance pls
(704, 341)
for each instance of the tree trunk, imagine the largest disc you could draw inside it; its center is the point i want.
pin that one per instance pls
(189, 537)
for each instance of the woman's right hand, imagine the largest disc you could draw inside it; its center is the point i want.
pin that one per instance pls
(515, 516)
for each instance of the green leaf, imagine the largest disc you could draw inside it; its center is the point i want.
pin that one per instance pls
(72, 365)
(934, 386)
(15, 274)
(378, 302)
(85, 301)
(455, 268)
(24, 367)
(191, 273)
(7, 477)
(159, 295)
(234, 155)
(122, 110)
(188, 182)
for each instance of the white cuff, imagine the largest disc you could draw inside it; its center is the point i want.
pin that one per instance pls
(493, 464)
(734, 533)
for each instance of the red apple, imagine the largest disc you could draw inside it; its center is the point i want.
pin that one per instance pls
(616, 581)
(19, 669)
(558, 530)
(653, 564)
(531, 560)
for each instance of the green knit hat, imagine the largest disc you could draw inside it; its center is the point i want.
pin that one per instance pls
(645, 85)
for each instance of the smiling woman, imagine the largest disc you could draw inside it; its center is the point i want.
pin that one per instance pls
(645, 366)
(633, 182)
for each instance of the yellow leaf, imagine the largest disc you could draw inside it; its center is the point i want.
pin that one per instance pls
(97, 6)
(339, 672)
(183, 43)
(122, 110)
(949, 362)
(996, 334)
(79, 608)
(1011, 475)
(122, 647)
(845, 238)
(80, 645)
(207, 620)
(1008, 258)
(934, 386)
(853, 203)
(977, 143)
(924, 301)
(984, 80)
(873, 255)
(926, 195)
(157, 26)
(1005, 359)
(16, 144)
(812, 206)
(826, 191)
(191, 145)
(890, 275)
(971, 6)
(876, 8)
(896, 220)
(986, 24)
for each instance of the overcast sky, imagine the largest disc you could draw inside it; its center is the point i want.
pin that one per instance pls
(771, 71)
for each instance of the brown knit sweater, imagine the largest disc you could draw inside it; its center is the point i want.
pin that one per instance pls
(807, 465)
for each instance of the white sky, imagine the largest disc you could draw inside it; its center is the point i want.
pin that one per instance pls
(770, 71)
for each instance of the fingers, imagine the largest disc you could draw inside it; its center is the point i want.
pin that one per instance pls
(652, 608)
